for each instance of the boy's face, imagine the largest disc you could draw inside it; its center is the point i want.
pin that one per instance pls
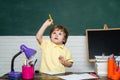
(57, 36)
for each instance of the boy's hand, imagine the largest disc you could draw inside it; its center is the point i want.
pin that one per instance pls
(62, 60)
(48, 22)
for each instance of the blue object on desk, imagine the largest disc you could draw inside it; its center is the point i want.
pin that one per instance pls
(15, 74)
(28, 52)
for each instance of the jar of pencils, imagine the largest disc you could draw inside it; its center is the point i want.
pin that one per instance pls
(27, 72)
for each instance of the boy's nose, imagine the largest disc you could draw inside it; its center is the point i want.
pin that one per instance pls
(56, 34)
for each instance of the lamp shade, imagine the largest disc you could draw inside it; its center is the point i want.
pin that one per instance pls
(28, 51)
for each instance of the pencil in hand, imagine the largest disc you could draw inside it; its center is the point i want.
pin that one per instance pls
(50, 17)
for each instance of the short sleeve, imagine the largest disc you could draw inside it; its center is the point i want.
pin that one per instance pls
(43, 44)
(69, 56)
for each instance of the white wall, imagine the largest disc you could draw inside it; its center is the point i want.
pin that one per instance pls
(10, 45)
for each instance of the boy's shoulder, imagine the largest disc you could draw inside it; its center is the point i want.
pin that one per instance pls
(46, 40)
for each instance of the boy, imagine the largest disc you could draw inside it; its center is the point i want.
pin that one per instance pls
(55, 56)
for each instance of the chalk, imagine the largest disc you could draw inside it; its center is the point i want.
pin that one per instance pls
(50, 17)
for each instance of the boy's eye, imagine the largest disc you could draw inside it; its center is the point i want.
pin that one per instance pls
(60, 34)
(54, 32)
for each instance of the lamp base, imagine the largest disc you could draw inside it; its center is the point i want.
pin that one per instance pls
(15, 74)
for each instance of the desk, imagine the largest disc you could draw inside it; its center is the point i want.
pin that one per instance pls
(42, 76)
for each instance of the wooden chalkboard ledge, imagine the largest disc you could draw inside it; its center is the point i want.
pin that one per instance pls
(105, 26)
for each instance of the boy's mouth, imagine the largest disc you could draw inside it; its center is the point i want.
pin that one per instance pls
(56, 38)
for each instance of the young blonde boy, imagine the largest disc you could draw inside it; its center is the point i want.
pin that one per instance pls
(55, 56)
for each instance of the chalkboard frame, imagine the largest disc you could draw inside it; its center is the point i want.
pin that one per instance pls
(91, 59)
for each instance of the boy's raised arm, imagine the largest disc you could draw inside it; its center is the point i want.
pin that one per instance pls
(41, 31)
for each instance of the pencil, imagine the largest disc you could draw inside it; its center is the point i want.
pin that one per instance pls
(50, 17)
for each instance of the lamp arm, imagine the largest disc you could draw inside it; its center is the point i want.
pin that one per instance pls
(12, 62)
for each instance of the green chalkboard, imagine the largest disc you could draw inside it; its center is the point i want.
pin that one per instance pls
(24, 17)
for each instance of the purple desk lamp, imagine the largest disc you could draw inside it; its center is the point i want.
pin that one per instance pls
(28, 53)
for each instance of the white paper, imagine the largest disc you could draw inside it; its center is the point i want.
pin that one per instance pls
(77, 76)
(53, 73)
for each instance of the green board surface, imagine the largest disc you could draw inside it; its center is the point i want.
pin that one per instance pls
(24, 17)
